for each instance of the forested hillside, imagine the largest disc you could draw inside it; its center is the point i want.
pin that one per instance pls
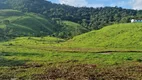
(89, 18)
(14, 23)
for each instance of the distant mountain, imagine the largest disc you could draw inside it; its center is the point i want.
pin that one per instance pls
(92, 18)
(88, 18)
(15, 23)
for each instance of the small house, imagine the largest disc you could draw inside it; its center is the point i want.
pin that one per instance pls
(136, 20)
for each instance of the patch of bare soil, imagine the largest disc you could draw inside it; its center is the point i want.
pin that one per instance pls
(91, 72)
(31, 65)
(77, 72)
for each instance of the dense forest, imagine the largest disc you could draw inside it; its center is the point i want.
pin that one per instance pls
(88, 17)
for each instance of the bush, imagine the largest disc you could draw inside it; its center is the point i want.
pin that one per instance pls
(139, 60)
(129, 58)
(6, 21)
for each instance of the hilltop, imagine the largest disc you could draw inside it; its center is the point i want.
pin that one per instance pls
(126, 36)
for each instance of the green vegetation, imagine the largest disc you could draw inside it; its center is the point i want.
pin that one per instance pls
(117, 37)
(91, 18)
(37, 42)
(42, 18)
(14, 23)
(53, 58)
(125, 36)
(71, 29)
(21, 24)
(21, 62)
(34, 41)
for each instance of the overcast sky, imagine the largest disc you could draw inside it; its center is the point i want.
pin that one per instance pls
(133, 4)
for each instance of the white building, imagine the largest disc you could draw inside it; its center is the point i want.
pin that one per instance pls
(136, 20)
(132, 20)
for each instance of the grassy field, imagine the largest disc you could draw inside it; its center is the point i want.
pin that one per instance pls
(33, 60)
(85, 57)
(23, 63)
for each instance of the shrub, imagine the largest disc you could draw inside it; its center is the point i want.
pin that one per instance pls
(139, 60)
(6, 21)
(128, 58)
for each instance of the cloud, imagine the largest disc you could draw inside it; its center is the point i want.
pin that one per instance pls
(121, 3)
(124, 4)
(79, 3)
(136, 4)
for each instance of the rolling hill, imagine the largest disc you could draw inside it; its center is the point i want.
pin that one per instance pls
(126, 36)
(117, 37)
(25, 23)
(18, 23)
(71, 29)
(40, 40)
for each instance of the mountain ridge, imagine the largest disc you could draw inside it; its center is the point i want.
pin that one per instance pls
(92, 18)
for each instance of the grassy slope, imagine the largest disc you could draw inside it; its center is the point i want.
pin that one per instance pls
(34, 24)
(115, 36)
(40, 41)
(74, 27)
(29, 58)
(118, 37)
(25, 23)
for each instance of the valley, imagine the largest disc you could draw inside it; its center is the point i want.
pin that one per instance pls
(41, 40)
(58, 59)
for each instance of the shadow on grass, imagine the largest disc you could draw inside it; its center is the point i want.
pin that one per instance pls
(5, 61)
(20, 54)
